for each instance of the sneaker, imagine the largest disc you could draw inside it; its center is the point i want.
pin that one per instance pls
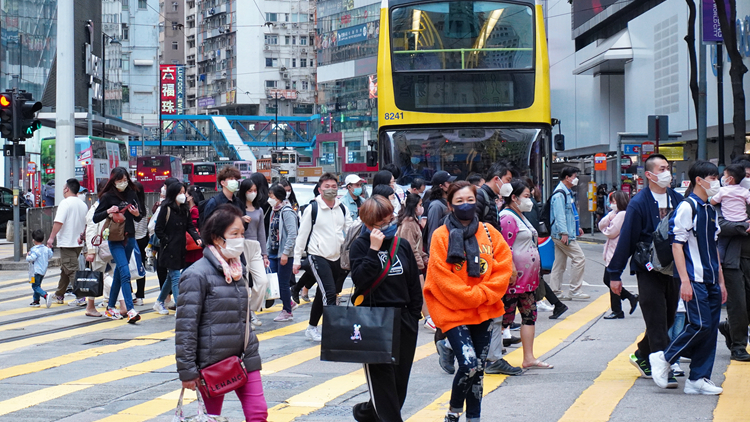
(295, 295)
(659, 369)
(305, 297)
(255, 320)
(160, 308)
(576, 295)
(313, 334)
(294, 306)
(543, 306)
(676, 370)
(34, 304)
(48, 300)
(60, 299)
(672, 381)
(501, 366)
(81, 301)
(138, 302)
(557, 292)
(702, 386)
(724, 330)
(171, 306)
(641, 365)
(133, 316)
(560, 308)
(284, 316)
(112, 313)
(445, 356)
(511, 341)
(451, 417)
(514, 326)
(428, 324)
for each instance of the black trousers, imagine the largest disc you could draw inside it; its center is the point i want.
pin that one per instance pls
(658, 297)
(141, 282)
(325, 273)
(550, 295)
(616, 301)
(738, 303)
(388, 383)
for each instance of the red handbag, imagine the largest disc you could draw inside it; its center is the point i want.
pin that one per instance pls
(228, 374)
(190, 244)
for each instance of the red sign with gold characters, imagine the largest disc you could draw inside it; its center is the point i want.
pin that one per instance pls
(168, 87)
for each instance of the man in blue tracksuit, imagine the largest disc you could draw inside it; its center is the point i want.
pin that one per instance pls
(696, 257)
(658, 293)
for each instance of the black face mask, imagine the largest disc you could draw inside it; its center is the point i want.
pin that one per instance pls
(465, 211)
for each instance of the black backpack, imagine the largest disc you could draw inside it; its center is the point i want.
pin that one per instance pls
(661, 243)
(545, 225)
(314, 217)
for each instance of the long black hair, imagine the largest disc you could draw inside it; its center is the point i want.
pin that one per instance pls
(383, 177)
(171, 199)
(261, 183)
(291, 197)
(245, 187)
(141, 197)
(409, 209)
(117, 174)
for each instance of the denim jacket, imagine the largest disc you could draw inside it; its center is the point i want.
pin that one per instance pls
(563, 215)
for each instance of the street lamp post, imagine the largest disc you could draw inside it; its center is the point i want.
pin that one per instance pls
(113, 41)
(277, 120)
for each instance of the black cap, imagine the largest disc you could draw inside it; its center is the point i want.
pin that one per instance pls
(441, 177)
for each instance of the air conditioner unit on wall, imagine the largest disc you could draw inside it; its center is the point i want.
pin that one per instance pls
(285, 75)
(267, 47)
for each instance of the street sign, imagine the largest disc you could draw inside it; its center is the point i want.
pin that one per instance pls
(600, 162)
(31, 168)
(647, 148)
(631, 149)
(133, 151)
(309, 171)
(10, 151)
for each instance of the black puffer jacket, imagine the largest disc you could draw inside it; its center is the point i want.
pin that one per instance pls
(210, 323)
(171, 232)
(487, 207)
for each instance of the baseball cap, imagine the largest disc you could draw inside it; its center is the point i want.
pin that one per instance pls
(441, 177)
(352, 179)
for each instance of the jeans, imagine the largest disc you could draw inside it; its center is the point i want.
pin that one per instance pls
(578, 263)
(121, 252)
(36, 286)
(251, 397)
(470, 343)
(283, 272)
(678, 326)
(172, 285)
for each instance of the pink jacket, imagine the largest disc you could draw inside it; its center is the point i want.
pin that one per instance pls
(610, 226)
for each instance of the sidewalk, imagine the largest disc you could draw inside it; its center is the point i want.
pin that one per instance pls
(6, 257)
(597, 237)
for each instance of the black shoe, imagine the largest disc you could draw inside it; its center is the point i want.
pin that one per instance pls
(295, 294)
(363, 412)
(451, 418)
(501, 366)
(672, 381)
(560, 309)
(740, 356)
(512, 340)
(633, 303)
(514, 326)
(445, 357)
(615, 315)
(724, 330)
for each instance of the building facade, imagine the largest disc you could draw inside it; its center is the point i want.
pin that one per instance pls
(140, 59)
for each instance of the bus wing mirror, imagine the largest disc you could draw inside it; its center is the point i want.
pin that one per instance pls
(560, 142)
(372, 158)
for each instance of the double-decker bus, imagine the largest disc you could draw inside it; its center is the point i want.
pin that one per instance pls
(95, 159)
(154, 170)
(463, 84)
(200, 174)
(284, 164)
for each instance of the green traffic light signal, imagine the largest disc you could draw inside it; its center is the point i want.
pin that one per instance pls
(27, 110)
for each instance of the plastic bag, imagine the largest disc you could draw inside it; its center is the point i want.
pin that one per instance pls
(136, 265)
(202, 415)
(272, 291)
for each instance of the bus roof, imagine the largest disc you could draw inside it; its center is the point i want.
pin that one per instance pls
(88, 138)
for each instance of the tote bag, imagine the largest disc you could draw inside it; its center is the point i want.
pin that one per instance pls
(88, 283)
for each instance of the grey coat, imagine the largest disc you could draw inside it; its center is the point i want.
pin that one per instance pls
(210, 323)
(287, 231)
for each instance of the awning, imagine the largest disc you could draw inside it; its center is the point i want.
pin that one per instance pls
(608, 57)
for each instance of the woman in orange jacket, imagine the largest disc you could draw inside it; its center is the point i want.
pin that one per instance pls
(468, 273)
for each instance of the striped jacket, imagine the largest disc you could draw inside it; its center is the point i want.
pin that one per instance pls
(698, 233)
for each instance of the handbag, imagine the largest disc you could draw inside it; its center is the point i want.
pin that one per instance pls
(202, 415)
(190, 244)
(116, 226)
(272, 291)
(88, 283)
(228, 374)
(361, 334)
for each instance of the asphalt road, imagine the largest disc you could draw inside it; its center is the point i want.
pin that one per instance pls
(59, 365)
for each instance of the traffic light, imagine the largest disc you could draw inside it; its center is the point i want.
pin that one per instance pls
(6, 115)
(26, 108)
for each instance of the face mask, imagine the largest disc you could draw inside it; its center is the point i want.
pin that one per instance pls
(121, 186)
(250, 196)
(526, 205)
(713, 189)
(465, 212)
(574, 182)
(420, 211)
(330, 194)
(272, 202)
(745, 183)
(357, 191)
(181, 198)
(505, 190)
(613, 206)
(233, 247)
(415, 160)
(664, 179)
(390, 230)
(395, 204)
(725, 181)
(232, 185)
(163, 191)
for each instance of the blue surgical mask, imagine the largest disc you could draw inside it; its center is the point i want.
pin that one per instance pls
(357, 191)
(390, 231)
(415, 160)
(465, 211)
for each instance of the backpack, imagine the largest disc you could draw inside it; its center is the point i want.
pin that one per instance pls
(546, 221)
(487, 202)
(201, 214)
(314, 217)
(351, 235)
(657, 255)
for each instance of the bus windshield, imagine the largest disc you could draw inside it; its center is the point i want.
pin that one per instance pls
(462, 35)
(205, 169)
(420, 153)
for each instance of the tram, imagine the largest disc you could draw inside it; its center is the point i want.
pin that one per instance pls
(463, 84)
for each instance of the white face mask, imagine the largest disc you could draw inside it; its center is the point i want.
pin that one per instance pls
(272, 202)
(613, 206)
(420, 211)
(250, 196)
(232, 185)
(525, 205)
(745, 183)
(725, 181)
(233, 247)
(181, 198)
(505, 190)
(664, 179)
(163, 191)
(574, 182)
(713, 189)
(122, 185)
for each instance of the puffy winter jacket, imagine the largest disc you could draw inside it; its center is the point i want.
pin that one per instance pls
(487, 206)
(210, 324)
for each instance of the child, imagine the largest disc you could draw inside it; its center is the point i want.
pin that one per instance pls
(38, 259)
(733, 197)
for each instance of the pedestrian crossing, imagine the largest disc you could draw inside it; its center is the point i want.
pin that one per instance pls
(139, 363)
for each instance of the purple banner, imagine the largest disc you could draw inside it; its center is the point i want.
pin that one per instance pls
(206, 102)
(711, 25)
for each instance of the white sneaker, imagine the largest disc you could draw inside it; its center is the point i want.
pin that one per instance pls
(543, 306)
(659, 369)
(428, 324)
(506, 333)
(677, 371)
(702, 386)
(137, 302)
(255, 320)
(160, 308)
(313, 334)
(579, 295)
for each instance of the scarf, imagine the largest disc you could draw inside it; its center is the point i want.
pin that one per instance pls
(462, 244)
(232, 269)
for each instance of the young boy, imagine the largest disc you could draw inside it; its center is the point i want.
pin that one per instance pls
(733, 197)
(696, 257)
(38, 259)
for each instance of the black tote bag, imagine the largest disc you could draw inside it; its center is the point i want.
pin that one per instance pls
(88, 283)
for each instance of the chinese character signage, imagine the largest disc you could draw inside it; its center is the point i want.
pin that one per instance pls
(167, 85)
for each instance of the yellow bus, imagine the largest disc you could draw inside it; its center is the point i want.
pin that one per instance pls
(462, 84)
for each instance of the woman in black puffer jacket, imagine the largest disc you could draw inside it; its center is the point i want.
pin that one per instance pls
(212, 318)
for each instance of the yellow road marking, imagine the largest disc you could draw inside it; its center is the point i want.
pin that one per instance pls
(597, 402)
(732, 404)
(543, 344)
(290, 360)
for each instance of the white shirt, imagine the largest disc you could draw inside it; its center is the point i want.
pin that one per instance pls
(72, 214)
(328, 236)
(661, 199)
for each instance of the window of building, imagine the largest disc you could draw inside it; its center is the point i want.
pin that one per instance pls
(125, 32)
(175, 26)
(286, 62)
(175, 46)
(288, 85)
(294, 84)
(125, 5)
(287, 40)
(175, 6)
(272, 84)
(271, 62)
(125, 63)
(143, 4)
(286, 17)
(302, 62)
(294, 40)
(312, 41)
(270, 17)
(125, 94)
(272, 39)
(294, 62)
(305, 85)
(302, 40)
